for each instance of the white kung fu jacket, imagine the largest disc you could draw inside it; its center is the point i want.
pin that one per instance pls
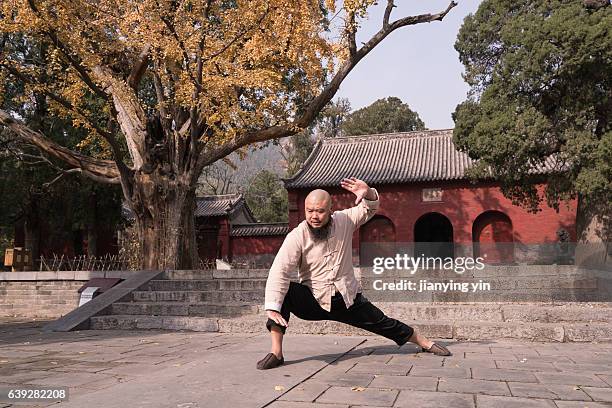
(324, 266)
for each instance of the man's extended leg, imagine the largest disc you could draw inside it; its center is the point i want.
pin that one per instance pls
(365, 315)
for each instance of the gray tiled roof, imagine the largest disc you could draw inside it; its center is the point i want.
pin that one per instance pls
(213, 205)
(259, 229)
(386, 158)
(208, 206)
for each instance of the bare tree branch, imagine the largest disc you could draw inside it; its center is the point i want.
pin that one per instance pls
(319, 102)
(181, 44)
(351, 31)
(388, 11)
(130, 114)
(105, 171)
(238, 37)
(140, 67)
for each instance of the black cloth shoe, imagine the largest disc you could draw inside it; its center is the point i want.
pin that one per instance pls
(269, 361)
(438, 350)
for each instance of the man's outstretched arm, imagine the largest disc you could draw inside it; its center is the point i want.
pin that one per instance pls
(366, 198)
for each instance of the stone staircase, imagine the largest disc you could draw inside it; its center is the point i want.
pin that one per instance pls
(540, 304)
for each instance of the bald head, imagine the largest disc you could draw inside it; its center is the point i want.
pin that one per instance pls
(318, 208)
(318, 196)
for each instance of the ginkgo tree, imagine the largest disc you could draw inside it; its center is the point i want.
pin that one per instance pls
(174, 86)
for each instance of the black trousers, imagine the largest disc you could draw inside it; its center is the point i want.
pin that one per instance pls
(300, 301)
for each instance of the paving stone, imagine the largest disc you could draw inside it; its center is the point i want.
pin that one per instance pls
(358, 396)
(503, 375)
(593, 360)
(577, 404)
(22, 376)
(110, 381)
(607, 379)
(293, 404)
(490, 401)
(416, 360)
(446, 372)
(599, 394)
(149, 360)
(425, 399)
(380, 368)
(45, 364)
(372, 358)
(469, 363)
(550, 350)
(586, 368)
(187, 354)
(571, 379)
(527, 366)
(497, 354)
(306, 392)
(11, 353)
(69, 379)
(471, 386)
(549, 391)
(545, 359)
(87, 367)
(347, 380)
(523, 351)
(405, 382)
(135, 369)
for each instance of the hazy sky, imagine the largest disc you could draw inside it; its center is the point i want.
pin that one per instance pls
(418, 64)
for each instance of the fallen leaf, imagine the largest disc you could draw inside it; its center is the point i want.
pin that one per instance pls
(358, 388)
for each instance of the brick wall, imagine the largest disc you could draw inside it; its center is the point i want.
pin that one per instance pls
(260, 250)
(49, 299)
(45, 294)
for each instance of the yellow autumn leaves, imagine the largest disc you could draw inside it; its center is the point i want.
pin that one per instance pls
(242, 64)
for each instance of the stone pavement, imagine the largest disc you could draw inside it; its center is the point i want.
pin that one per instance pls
(153, 368)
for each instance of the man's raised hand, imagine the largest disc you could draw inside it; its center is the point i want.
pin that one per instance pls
(355, 186)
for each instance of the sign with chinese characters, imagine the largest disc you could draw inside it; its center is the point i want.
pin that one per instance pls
(432, 194)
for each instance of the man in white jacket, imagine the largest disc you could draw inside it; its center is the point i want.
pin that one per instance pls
(320, 249)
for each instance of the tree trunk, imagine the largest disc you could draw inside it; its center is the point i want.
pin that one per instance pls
(31, 230)
(164, 210)
(594, 234)
(92, 227)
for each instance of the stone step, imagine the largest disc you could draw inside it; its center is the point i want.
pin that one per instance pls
(497, 312)
(534, 295)
(499, 283)
(216, 274)
(501, 312)
(205, 284)
(196, 296)
(556, 332)
(182, 309)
